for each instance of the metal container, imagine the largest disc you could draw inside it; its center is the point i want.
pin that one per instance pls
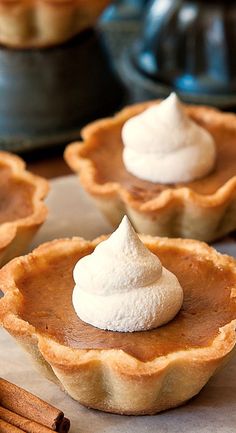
(188, 46)
(48, 95)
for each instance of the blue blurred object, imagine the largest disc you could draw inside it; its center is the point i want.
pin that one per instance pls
(189, 46)
(124, 10)
(121, 23)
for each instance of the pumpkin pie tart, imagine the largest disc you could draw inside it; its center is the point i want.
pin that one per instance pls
(123, 372)
(42, 23)
(22, 210)
(203, 208)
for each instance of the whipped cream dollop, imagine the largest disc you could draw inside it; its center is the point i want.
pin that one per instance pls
(122, 286)
(164, 145)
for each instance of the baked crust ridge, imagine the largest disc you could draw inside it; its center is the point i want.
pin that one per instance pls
(16, 235)
(43, 23)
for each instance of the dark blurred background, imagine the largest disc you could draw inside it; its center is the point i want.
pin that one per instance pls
(138, 50)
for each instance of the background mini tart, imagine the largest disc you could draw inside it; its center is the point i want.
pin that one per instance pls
(22, 210)
(204, 209)
(41, 23)
(129, 373)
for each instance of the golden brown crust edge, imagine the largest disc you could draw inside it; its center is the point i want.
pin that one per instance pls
(179, 212)
(16, 235)
(43, 23)
(112, 380)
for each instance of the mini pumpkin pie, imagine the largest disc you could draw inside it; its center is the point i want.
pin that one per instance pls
(42, 23)
(171, 168)
(22, 210)
(141, 327)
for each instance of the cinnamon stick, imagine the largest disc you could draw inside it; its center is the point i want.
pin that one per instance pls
(29, 406)
(22, 423)
(65, 426)
(5, 427)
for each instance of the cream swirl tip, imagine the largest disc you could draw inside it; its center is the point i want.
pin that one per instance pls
(123, 287)
(164, 145)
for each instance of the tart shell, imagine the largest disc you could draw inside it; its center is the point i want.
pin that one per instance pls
(112, 380)
(43, 23)
(17, 234)
(174, 212)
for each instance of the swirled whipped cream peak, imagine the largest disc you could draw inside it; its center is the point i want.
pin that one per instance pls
(123, 287)
(164, 145)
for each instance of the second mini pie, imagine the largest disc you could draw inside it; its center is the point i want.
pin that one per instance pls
(202, 206)
(140, 328)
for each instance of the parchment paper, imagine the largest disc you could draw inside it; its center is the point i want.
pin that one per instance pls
(212, 411)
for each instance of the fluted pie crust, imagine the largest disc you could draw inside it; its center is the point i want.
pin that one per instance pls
(204, 209)
(42, 23)
(22, 210)
(127, 373)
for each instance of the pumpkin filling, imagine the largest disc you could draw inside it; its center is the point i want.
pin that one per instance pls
(47, 291)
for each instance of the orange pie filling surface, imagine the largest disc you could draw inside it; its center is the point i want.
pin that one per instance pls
(15, 196)
(47, 305)
(107, 141)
